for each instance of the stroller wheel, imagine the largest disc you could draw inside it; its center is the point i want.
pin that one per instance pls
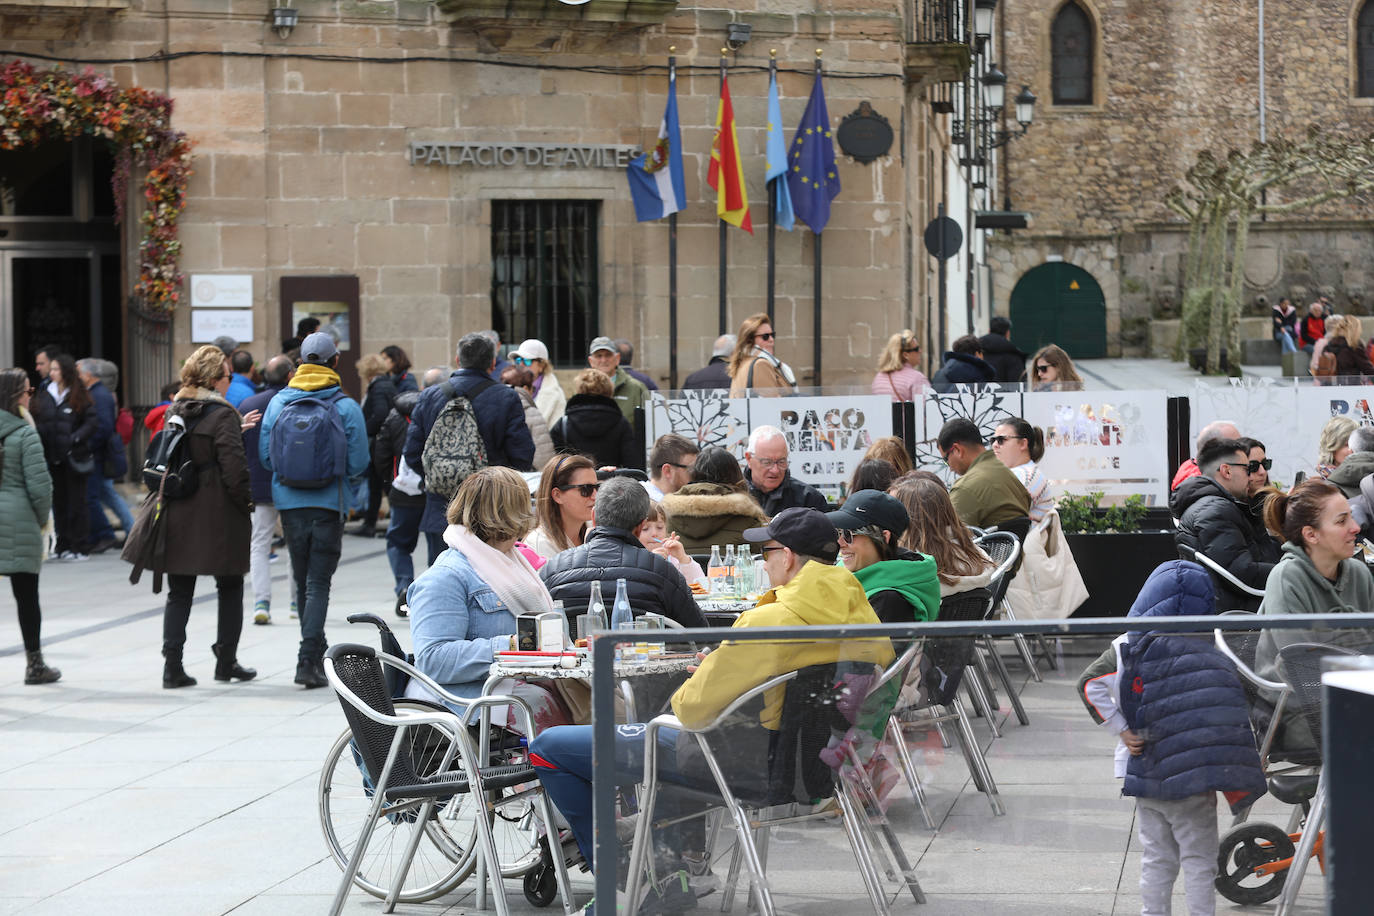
(541, 884)
(1244, 849)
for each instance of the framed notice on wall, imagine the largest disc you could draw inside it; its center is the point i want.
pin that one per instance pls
(207, 324)
(333, 302)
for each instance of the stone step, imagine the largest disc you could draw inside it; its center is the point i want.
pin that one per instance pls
(1260, 351)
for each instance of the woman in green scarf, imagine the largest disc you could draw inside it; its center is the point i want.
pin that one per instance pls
(901, 584)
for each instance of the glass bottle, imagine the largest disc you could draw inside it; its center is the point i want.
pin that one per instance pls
(622, 618)
(597, 606)
(567, 626)
(730, 578)
(715, 571)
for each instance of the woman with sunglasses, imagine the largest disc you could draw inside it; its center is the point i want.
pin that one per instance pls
(901, 584)
(548, 394)
(936, 531)
(753, 367)
(25, 500)
(899, 375)
(563, 505)
(715, 508)
(1258, 488)
(1020, 446)
(1052, 370)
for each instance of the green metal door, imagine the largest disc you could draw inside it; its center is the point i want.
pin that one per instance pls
(1058, 303)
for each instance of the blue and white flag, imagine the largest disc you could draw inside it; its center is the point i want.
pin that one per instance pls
(777, 156)
(656, 181)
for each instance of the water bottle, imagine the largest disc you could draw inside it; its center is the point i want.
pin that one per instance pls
(622, 618)
(744, 571)
(597, 606)
(730, 578)
(715, 572)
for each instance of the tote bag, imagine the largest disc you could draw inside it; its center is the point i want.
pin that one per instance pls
(1048, 585)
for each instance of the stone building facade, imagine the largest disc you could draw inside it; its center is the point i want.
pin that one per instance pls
(1169, 80)
(305, 164)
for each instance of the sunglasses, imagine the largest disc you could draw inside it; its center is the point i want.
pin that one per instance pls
(586, 490)
(522, 361)
(998, 440)
(1041, 370)
(769, 336)
(764, 550)
(1254, 466)
(847, 535)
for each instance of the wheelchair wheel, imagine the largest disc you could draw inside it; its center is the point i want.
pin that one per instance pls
(443, 860)
(1244, 849)
(540, 884)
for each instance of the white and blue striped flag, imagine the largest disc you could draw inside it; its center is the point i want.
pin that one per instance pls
(656, 181)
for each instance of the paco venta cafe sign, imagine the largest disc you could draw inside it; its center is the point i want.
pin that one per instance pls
(529, 155)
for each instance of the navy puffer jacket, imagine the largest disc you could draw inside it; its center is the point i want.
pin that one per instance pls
(1184, 697)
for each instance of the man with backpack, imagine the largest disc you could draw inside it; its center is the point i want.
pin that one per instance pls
(313, 441)
(466, 423)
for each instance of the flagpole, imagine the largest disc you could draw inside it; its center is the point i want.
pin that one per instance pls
(721, 240)
(772, 201)
(672, 257)
(816, 277)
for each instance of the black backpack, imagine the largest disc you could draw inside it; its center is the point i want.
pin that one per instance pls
(168, 468)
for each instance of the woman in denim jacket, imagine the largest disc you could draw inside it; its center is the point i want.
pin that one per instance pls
(463, 608)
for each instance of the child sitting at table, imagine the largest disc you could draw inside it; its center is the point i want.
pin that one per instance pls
(655, 537)
(1184, 732)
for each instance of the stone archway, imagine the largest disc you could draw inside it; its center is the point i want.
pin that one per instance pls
(1063, 304)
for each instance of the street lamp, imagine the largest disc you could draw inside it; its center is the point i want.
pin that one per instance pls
(994, 88)
(1025, 107)
(983, 13)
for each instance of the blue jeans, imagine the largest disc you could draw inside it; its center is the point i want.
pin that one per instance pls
(436, 545)
(562, 756)
(1286, 344)
(402, 534)
(314, 538)
(100, 491)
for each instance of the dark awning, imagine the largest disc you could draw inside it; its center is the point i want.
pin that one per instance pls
(1000, 219)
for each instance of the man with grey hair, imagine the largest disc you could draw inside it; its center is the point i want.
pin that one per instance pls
(1212, 509)
(716, 373)
(108, 451)
(612, 551)
(500, 417)
(501, 362)
(1358, 465)
(433, 376)
(770, 482)
(1217, 429)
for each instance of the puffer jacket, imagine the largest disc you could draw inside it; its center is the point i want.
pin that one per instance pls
(1211, 521)
(902, 589)
(390, 442)
(653, 583)
(381, 394)
(64, 431)
(1185, 698)
(593, 425)
(539, 430)
(208, 532)
(25, 496)
(704, 514)
(1181, 694)
(790, 493)
(962, 369)
(1006, 360)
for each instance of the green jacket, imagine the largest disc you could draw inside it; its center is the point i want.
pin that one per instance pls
(989, 493)
(629, 393)
(25, 496)
(902, 589)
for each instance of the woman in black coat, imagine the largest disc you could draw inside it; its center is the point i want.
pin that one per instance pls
(377, 403)
(66, 421)
(593, 425)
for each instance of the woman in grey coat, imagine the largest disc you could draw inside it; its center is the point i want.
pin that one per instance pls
(25, 500)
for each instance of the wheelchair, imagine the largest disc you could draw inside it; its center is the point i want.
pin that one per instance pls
(449, 853)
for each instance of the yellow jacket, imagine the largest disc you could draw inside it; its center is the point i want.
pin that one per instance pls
(819, 595)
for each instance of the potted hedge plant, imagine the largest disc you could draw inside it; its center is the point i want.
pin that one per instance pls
(1116, 548)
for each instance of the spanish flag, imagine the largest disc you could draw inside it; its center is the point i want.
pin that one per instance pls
(726, 176)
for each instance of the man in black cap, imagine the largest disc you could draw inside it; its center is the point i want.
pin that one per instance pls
(799, 553)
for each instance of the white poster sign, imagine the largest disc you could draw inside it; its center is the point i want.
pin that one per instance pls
(207, 324)
(222, 291)
(826, 436)
(1268, 410)
(703, 417)
(1109, 441)
(985, 408)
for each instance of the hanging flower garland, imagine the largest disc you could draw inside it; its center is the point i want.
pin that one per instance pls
(40, 105)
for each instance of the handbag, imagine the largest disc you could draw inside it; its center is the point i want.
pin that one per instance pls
(1049, 585)
(80, 465)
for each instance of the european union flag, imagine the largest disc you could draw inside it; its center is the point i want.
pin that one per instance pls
(811, 175)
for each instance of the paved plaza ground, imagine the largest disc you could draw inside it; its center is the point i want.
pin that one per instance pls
(117, 796)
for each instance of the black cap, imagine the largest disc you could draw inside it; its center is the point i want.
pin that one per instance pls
(800, 530)
(872, 507)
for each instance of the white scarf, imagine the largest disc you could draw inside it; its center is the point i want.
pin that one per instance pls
(783, 369)
(509, 574)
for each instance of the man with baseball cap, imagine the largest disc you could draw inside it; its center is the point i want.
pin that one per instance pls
(799, 553)
(900, 584)
(603, 356)
(312, 517)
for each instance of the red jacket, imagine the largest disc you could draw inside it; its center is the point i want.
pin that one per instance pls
(1187, 469)
(156, 417)
(1312, 329)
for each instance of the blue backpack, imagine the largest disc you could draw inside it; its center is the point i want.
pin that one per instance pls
(309, 448)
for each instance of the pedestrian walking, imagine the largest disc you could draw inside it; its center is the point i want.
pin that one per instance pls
(754, 369)
(25, 500)
(898, 375)
(398, 364)
(594, 425)
(67, 423)
(407, 494)
(275, 375)
(1053, 370)
(314, 442)
(380, 395)
(205, 532)
(107, 454)
(548, 393)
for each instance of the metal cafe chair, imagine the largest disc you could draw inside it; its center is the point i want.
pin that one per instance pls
(399, 791)
(1220, 572)
(1005, 550)
(752, 815)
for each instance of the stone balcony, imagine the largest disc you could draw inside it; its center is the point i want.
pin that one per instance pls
(609, 14)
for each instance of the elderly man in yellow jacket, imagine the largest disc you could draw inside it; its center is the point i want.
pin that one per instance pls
(799, 549)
